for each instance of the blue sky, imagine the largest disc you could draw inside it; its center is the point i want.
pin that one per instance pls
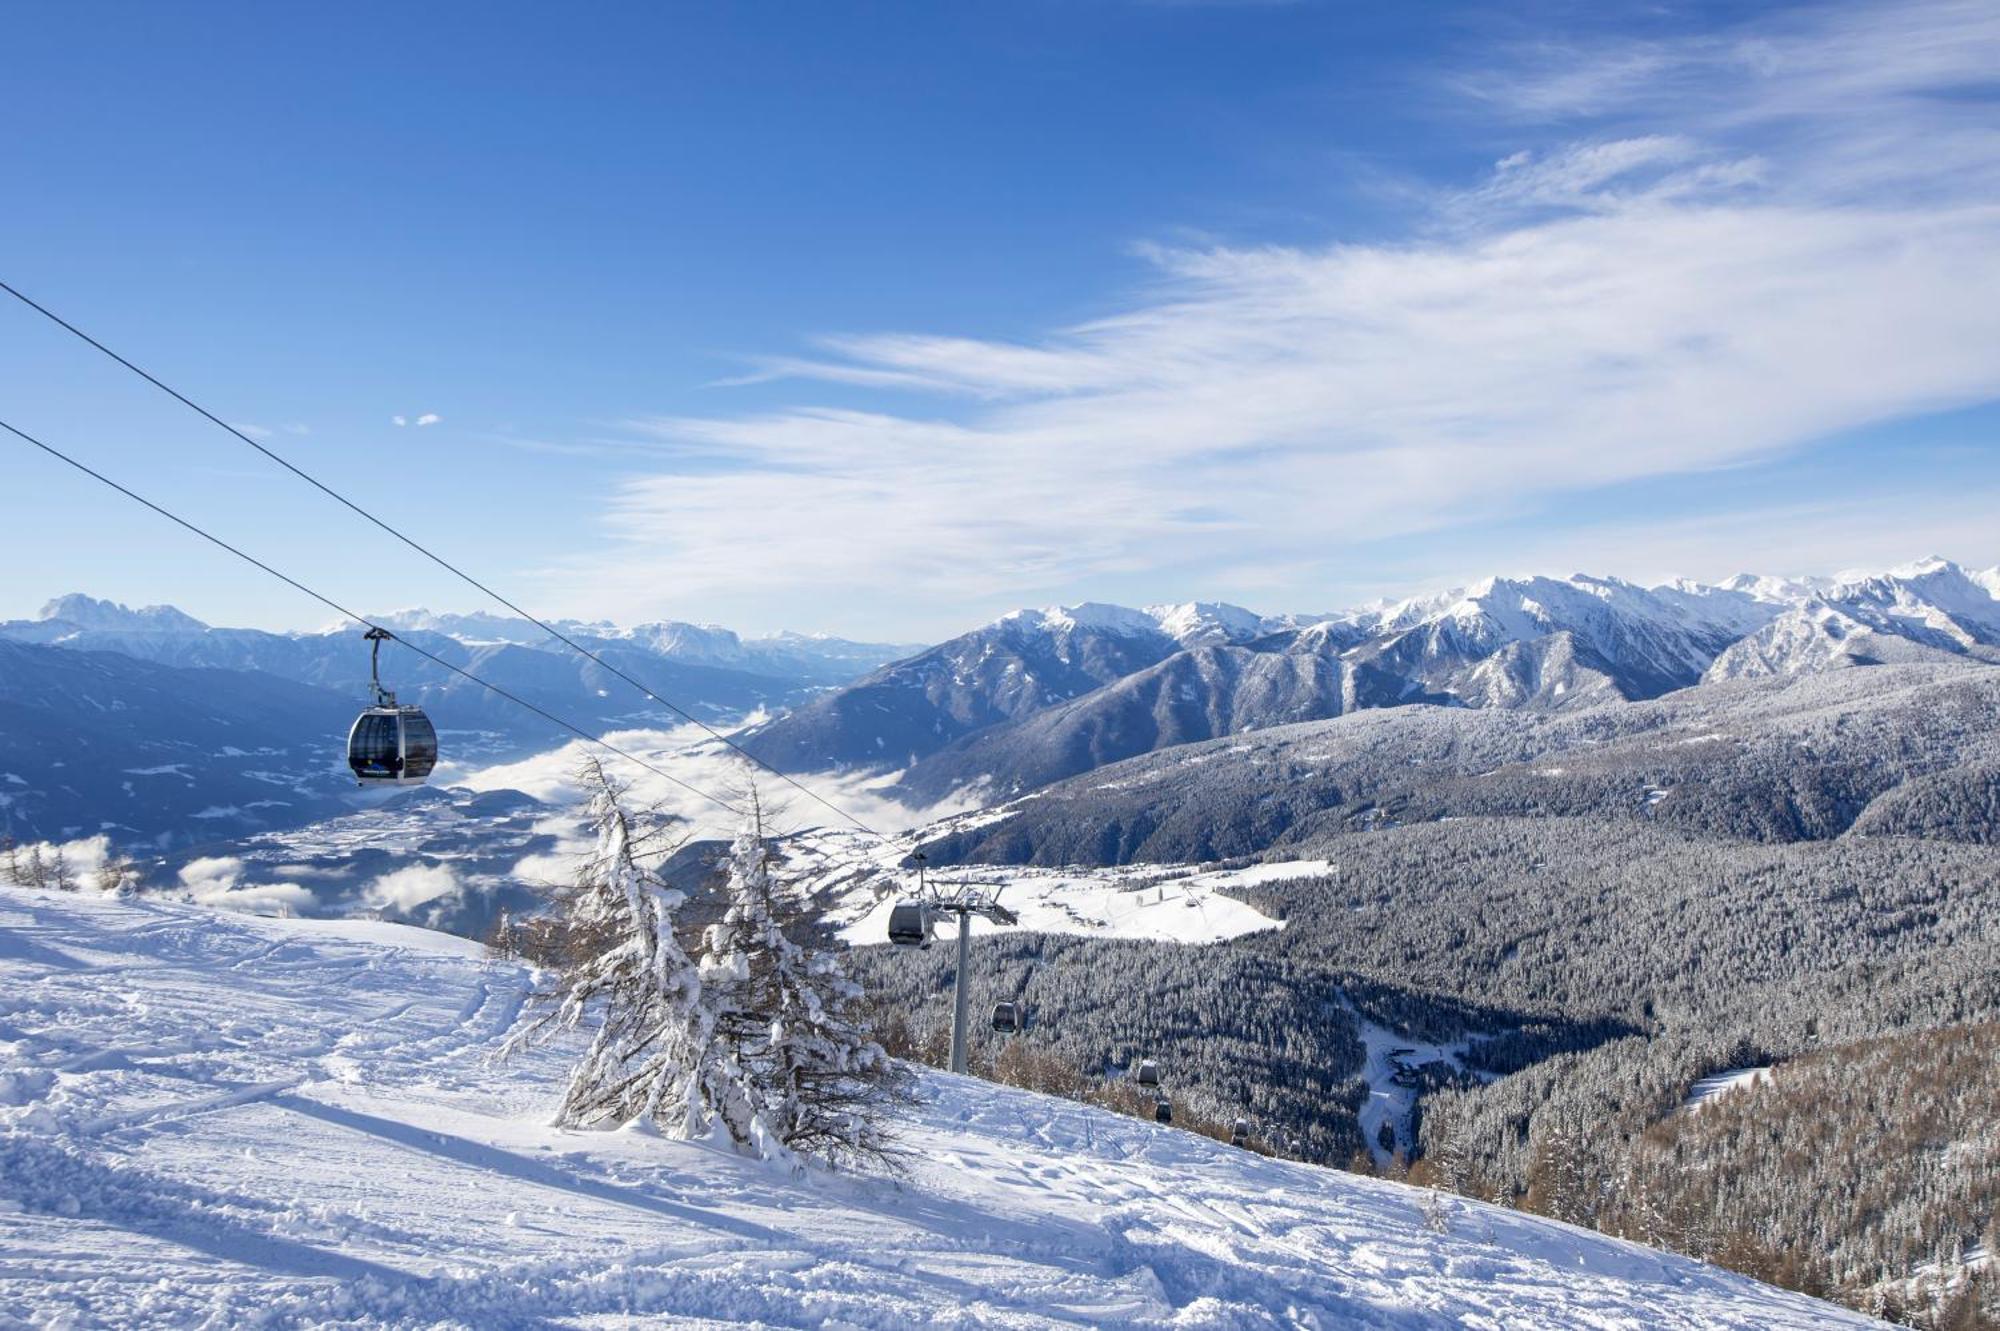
(882, 319)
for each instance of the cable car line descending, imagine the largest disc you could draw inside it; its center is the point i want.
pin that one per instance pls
(336, 606)
(437, 559)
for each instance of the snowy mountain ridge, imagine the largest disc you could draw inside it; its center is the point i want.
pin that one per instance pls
(1039, 695)
(90, 613)
(1190, 623)
(784, 653)
(336, 1145)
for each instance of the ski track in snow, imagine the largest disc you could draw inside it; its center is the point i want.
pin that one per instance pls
(216, 1120)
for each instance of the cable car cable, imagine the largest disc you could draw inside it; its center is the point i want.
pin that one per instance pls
(343, 610)
(435, 558)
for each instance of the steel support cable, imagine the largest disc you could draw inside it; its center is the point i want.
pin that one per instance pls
(329, 602)
(437, 559)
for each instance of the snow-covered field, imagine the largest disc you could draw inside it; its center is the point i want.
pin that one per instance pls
(1107, 903)
(209, 1119)
(857, 879)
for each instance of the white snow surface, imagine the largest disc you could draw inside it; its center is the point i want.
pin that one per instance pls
(857, 879)
(210, 1120)
(1721, 1083)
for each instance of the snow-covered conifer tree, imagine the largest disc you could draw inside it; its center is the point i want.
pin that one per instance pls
(654, 1054)
(817, 1083)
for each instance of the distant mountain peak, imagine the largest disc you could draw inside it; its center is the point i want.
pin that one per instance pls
(1924, 568)
(90, 613)
(1190, 623)
(1198, 623)
(1090, 616)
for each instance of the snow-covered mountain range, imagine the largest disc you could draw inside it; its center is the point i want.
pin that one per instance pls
(811, 658)
(1040, 695)
(148, 723)
(1034, 697)
(164, 633)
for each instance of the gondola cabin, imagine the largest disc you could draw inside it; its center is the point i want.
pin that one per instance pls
(1163, 1110)
(1007, 1018)
(910, 924)
(392, 745)
(1149, 1072)
(1240, 1134)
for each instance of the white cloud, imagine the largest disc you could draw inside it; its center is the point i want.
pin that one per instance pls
(399, 420)
(429, 418)
(82, 860)
(1732, 247)
(216, 880)
(695, 759)
(412, 886)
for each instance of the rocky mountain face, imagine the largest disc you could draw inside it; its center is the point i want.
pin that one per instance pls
(1015, 667)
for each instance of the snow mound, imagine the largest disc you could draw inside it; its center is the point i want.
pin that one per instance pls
(209, 1119)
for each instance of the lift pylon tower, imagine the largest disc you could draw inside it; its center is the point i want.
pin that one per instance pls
(965, 905)
(911, 923)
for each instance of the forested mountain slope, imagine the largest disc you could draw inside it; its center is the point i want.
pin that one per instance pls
(1770, 760)
(1590, 911)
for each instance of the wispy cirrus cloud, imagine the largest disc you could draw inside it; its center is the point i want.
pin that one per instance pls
(1701, 254)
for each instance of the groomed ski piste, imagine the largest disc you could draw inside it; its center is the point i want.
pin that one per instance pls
(216, 1120)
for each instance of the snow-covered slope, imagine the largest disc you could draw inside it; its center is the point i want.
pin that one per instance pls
(1815, 638)
(213, 1120)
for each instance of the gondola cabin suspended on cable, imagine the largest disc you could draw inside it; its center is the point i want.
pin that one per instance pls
(1007, 1018)
(391, 744)
(910, 924)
